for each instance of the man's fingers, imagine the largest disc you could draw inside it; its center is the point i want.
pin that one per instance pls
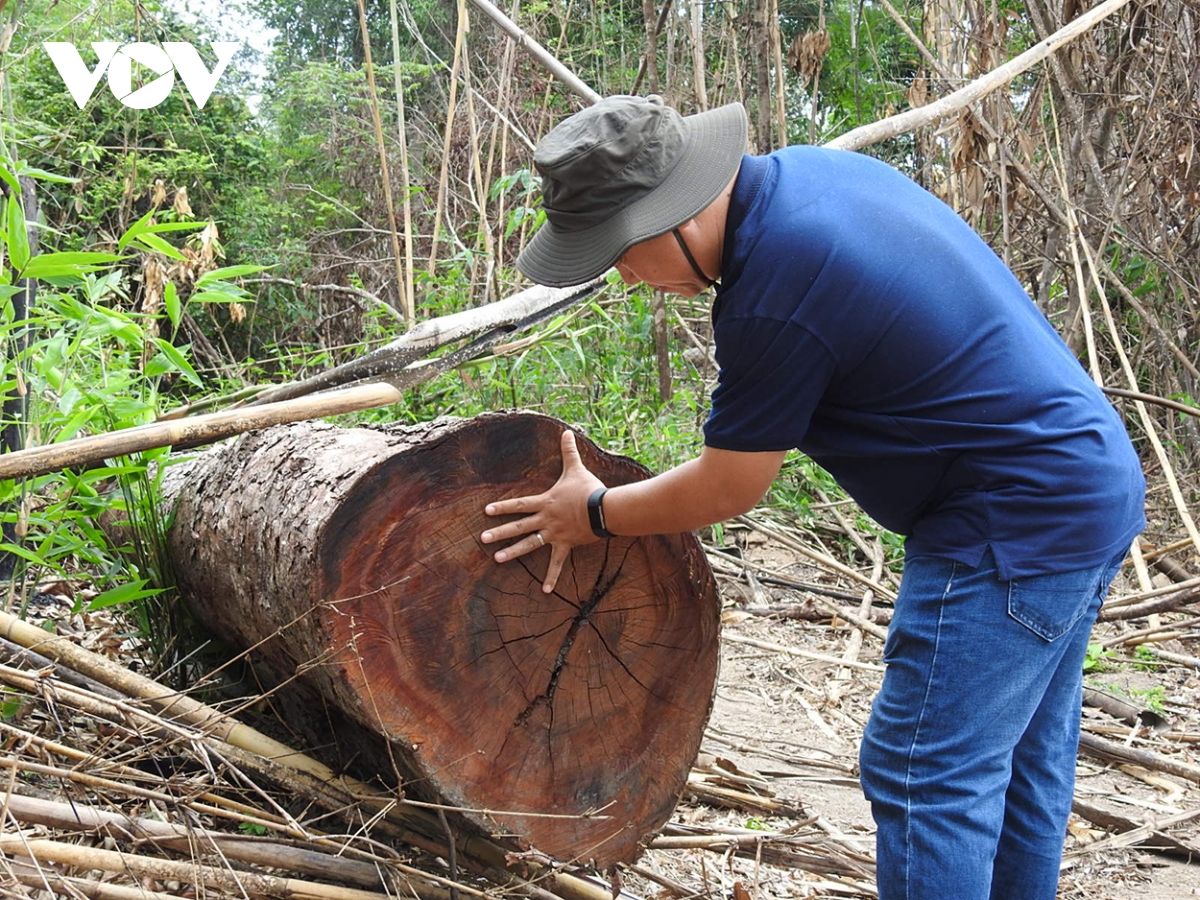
(515, 505)
(533, 542)
(511, 530)
(570, 453)
(558, 558)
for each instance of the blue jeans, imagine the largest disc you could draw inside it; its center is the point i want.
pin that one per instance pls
(968, 758)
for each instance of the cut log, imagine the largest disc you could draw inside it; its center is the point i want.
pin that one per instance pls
(351, 557)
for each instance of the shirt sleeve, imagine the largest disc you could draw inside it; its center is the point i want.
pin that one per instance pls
(772, 375)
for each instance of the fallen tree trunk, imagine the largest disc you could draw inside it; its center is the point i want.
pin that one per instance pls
(351, 557)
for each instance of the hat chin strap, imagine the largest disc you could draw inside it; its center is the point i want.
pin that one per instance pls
(708, 282)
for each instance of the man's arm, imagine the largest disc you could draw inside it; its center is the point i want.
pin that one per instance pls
(716, 485)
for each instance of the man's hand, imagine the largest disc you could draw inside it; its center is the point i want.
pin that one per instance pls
(558, 517)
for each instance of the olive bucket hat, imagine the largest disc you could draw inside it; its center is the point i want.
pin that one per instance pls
(622, 171)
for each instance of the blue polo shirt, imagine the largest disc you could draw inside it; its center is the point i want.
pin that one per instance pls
(860, 320)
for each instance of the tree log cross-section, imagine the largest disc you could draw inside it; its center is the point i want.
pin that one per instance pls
(351, 556)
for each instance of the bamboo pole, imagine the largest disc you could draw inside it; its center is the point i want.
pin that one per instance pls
(80, 817)
(907, 121)
(392, 364)
(192, 431)
(447, 134)
(135, 865)
(538, 52)
(405, 181)
(377, 121)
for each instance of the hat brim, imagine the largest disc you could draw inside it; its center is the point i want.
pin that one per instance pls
(713, 146)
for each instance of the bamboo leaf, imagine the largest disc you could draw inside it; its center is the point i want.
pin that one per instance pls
(228, 272)
(178, 361)
(157, 244)
(172, 304)
(124, 593)
(17, 238)
(137, 228)
(48, 265)
(43, 175)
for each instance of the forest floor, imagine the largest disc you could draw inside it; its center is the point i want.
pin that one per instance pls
(774, 795)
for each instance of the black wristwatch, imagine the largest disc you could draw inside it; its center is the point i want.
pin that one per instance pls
(596, 513)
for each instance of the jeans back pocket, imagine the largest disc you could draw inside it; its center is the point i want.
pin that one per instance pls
(1050, 605)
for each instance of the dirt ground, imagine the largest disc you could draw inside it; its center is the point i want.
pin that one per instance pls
(797, 721)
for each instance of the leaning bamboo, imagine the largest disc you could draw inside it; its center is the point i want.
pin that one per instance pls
(391, 363)
(910, 120)
(538, 52)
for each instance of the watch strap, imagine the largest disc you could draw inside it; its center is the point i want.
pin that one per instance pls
(595, 506)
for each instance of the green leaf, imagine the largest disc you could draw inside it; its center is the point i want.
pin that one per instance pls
(43, 175)
(27, 555)
(17, 238)
(228, 272)
(10, 179)
(154, 242)
(53, 264)
(161, 227)
(124, 593)
(172, 304)
(137, 228)
(178, 361)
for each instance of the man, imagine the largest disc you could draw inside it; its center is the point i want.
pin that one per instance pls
(858, 319)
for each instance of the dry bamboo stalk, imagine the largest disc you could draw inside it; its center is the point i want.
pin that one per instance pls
(480, 191)
(903, 123)
(213, 805)
(854, 646)
(444, 176)
(192, 431)
(1129, 838)
(803, 654)
(33, 875)
(377, 122)
(780, 73)
(136, 865)
(696, 14)
(1131, 599)
(1156, 840)
(78, 817)
(1161, 632)
(409, 293)
(1168, 470)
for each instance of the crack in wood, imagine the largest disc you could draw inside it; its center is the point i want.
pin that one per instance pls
(599, 591)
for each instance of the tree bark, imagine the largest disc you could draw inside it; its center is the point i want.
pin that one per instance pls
(351, 557)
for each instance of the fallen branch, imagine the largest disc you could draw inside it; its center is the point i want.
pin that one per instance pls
(1158, 841)
(1112, 752)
